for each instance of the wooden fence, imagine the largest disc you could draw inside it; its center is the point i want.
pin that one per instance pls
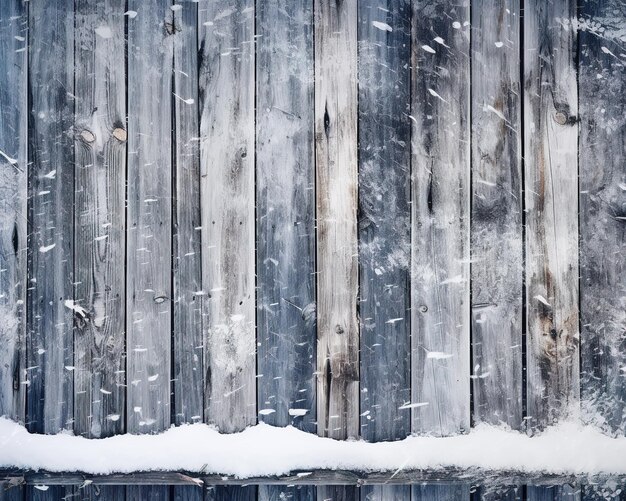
(362, 218)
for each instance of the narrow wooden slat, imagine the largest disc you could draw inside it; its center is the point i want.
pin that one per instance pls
(496, 217)
(602, 98)
(13, 206)
(9, 492)
(51, 217)
(336, 186)
(231, 493)
(384, 44)
(99, 218)
(187, 493)
(144, 492)
(149, 254)
(226, 34)
(84, 492)
(431, 492)
(291, 493)
(338, 493)
(52, 493)
(285, 213)
(551, 196)
(440, 218)
(188, 349)
(385, 492)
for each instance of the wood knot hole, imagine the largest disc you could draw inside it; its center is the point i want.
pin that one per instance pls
(560, 118)
(339, 329)
(88, 136)
(160, 298)
(119, 134)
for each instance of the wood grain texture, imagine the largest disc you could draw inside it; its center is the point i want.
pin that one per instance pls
(231, 493)
(431, 492)
(563, 492)
(551, 196)
(384, 54)
(149, 250)
(52, 493)
(285, 181)
(287, 493)
(440, 218)
(226, 34)
(336, 184)
(495, 492)
(496, 217)
(9, 492)
(338, 493)
(50, 347)
(84, 492)
(99, 219)
(602, 156)
(13, 206)
(385, 492)
(188, 338)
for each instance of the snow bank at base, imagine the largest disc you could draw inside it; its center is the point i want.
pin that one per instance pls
(264, 450)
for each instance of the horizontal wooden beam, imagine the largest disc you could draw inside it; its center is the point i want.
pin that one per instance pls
(318, 477)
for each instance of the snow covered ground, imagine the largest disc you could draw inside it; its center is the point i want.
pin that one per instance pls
(263, 450)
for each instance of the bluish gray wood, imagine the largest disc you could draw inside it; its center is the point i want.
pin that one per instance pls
(551, 196)
(602, 492)
(336, 199)
(338, 493)
(231, 493)
(99, 219)
(384, 55)
(432, 492)
(602, 147)
(226, 88)
(48, 493)
(188, 349)
(9, 492)
(147, 492)
(286, 333)
(188, 492)
(497, 493)
(385, 493)
(13, 206)
(554, 493)
(149, 252)
(287, 493)
(496, 218)
(440, 218)
(99, 492)
(50, 344)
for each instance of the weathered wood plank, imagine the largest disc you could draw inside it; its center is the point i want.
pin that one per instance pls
(440, 218)
(11, 492)
(551, 197)
(337, 493)
(50, 393)
(45, 493)
(554, 493)
(496, 217)
(13, 206)
(384, 55)
(336, 184)
(602, 147)
(99, 218)
(426, 492)
(231, 493)
(187, 280)
(285, 180)
(290, 492)
(497, 492)
(226, 34)
(385, 492)
(188, 492)
(149, 252)
(144, 492)
(83, 492)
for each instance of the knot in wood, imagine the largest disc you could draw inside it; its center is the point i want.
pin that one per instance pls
(339, 329)
(119, 134)
(560, 118)
(160, 298)
(423, 308)
(88, 136)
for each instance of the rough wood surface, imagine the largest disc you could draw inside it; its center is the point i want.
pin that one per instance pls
(226, 34)
(440, 218)
(231, 493)
(286, 333)
(425, 492)
(337, 252)
(149, 251)
(551, 196)
(188, 352)
(553, 493)
(602, 147)
(384, 45)
(51, 217)
(289, 492)
(496, 217)
(13, 206)
(99, 218)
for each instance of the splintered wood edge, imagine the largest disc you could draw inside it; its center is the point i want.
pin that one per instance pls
(317, 477)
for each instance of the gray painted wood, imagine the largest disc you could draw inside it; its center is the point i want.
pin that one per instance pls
(426, 492)
(187, 493)
(496, 217)
(13, 206)
(602, 147)
(149, 251)
(551, 197)
(285, 180)
(90, 492)
(337, 493)
(384, 55)
(385, 492)
(99, 219)
(440, 218)
(188, 351)
(226, 34)
(50, 350)
(336, 184)
(231, 493)
(144, 492)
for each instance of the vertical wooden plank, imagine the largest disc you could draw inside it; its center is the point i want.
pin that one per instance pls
(286, 331)
(149, 251)
(187, 493)
(99, 249)
(51, 216)
(99, 492)
(231, 493)
(13, 206)
(496, 492)
(226, 34)
(48, 492)
(336, 186)
(496, 217)
(554, 493)
(287, 493)
(10, 492)
(551, 196)
(385, 492)
(188, 340)
(144, 492)
(384, 55)
(440, 218)
(338, 493)
(440, 492)
(602, 98)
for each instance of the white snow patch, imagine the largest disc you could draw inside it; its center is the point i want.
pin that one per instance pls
(45, 248)
(12, 161)
(568, 448)
(266, 412)
(413, 406)
(542, 299)
(381, 26)
(428, 48)
(104, 32)
(438, 355)
(298, 412)
(69, 303)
